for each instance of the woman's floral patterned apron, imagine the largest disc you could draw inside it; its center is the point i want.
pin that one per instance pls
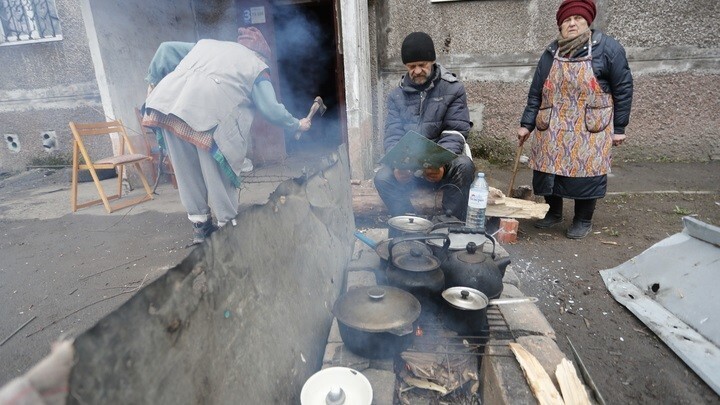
(574, 124)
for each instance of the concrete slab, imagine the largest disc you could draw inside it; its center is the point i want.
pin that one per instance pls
(360, 278)
(525, 319)
(337, 355)
(501, 378)
(511, 277)
(383, 384)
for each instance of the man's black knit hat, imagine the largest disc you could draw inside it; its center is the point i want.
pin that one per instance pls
(417, 47)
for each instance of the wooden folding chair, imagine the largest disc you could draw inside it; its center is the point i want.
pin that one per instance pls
(80, 132)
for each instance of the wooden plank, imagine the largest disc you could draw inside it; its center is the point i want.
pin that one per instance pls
(539, 380)
(573, 390)
(367, 202)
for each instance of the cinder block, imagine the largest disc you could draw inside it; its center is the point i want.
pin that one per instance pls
(377, 234)
(525, 317)
(383, 364)
(500, 252)
(337, 355)
(334, 335)
(501, 378)
(383, 385)
(366, 258)
(546, 351)
(511, 277)
(511, 291)
(360, 278)
(508, 230)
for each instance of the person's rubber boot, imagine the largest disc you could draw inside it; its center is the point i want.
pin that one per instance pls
(550, 220)
(579, 229)
(202, 230)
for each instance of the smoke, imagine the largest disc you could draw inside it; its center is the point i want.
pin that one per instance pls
(305, 56)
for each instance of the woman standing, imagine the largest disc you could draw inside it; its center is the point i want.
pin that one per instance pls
(202, 99)
(579, 105)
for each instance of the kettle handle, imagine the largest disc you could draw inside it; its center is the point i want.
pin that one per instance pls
(465, 229)
(429, 236)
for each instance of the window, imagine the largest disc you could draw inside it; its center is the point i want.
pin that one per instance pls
(23, 21)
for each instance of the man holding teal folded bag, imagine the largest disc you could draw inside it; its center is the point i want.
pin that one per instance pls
(431, 101)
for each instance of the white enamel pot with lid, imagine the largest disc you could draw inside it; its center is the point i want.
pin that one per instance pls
(337, 386)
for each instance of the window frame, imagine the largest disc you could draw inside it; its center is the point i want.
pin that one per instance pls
(33, 24)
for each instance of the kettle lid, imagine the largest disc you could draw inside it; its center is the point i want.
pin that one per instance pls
(415, 260)
(471, 255)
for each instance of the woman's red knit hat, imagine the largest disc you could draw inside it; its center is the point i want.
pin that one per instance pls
(253, 39)
(584, 8)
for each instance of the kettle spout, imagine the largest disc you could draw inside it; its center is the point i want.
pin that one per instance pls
(502, 264)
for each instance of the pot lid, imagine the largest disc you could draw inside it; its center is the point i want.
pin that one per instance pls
(401, 247)
(471, 255)
(337, 385)
(409, 223)
(458, 241)
(378, 309)
(465, 298)
(415, 260)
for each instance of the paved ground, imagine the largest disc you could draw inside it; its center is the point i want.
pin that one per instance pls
(70, 269)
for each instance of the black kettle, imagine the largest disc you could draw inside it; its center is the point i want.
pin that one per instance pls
(416, 271)
(473, 268)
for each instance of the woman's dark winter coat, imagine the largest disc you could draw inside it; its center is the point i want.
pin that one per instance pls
(611, 69)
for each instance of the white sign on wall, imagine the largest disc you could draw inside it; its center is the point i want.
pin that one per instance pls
(257, 15)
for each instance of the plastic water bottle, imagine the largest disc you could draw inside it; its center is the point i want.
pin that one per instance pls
(477, 202)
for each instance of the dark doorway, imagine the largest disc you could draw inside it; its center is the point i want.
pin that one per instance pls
(307, 65)
(302, 35)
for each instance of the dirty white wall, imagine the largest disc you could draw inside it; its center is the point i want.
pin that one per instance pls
(43, 86)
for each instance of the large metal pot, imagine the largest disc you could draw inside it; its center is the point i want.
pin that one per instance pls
(471, 267)
(376, 321)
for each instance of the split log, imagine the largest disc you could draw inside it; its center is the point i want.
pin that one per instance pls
(539, 380)
(573, 390)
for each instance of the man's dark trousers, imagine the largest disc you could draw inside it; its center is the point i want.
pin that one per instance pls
(459, 175)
